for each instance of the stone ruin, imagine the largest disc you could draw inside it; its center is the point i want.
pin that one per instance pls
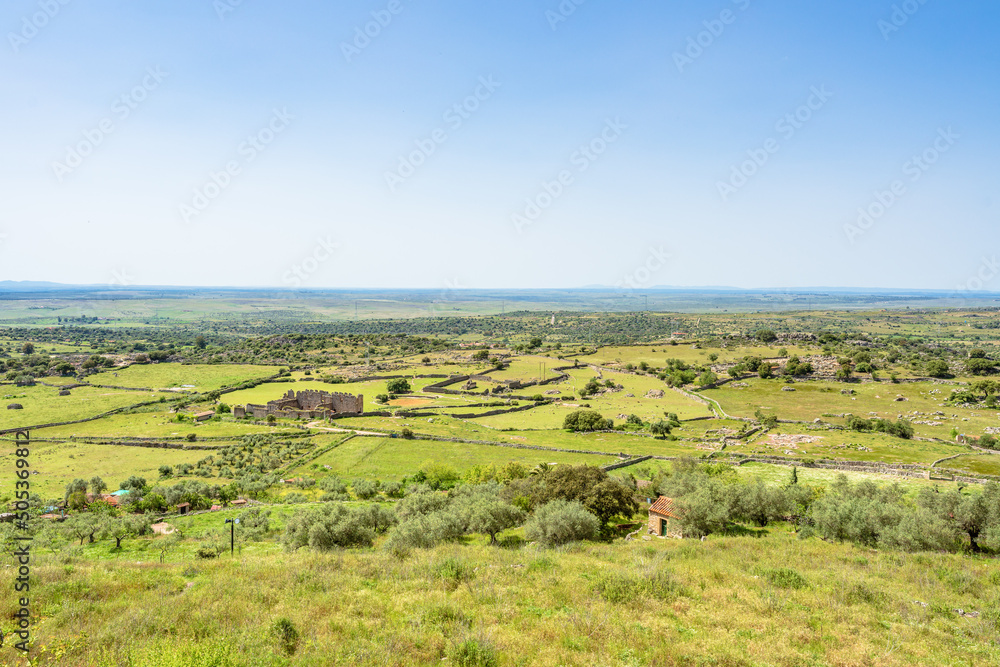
(308, 404)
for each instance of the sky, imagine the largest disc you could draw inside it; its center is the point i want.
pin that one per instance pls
(501, 143)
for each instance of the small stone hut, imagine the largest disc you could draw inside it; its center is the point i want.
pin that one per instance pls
(664, 518)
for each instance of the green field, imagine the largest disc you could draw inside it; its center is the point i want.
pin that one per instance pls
(194, 377)
(689, 353)
(56, 464)
(159, 424)
(850, 606)
(43, 405)
(395, 458)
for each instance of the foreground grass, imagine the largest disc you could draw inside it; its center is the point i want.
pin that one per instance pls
(725, 601)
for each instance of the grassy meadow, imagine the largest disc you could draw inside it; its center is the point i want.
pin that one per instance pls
(740, 601)
(746, 597)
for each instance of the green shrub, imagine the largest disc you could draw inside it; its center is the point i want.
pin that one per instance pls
(333, 485)
(326, 527)
(392, 489)
(561, 521)
(785, 577)
(474, 653)
(286, 634)
(454, 571)
(364, 489)
(424, 532)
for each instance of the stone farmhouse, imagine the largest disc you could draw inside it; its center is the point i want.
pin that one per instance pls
(664, 518)
(309, 404)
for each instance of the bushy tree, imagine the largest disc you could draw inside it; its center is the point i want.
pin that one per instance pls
(119, 528)
(425, 531)
(398, 386)
(561, 521)
(97, 485)
(761, 504)
(420, 503)
(766, 335)
(255, 523)
(438, 475)
(586, 420)
(660, 429)
(326, 527)
(76, 486)
(377, 517)
(979, 366)
(491, 516)
(938, 368)
(364, 489)
(333, 485)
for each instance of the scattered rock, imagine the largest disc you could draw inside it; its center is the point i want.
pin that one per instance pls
(654, 393)
(788, 389)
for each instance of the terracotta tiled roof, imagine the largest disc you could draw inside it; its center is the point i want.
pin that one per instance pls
(665, 506)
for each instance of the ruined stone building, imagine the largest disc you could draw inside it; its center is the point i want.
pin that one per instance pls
(308, 404)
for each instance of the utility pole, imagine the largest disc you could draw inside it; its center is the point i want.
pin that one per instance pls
(232, 534)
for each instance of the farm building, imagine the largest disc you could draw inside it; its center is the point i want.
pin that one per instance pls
(664, 518)
(184, 508)
(204, 416)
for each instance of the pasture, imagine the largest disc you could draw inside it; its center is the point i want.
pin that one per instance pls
(395, 458)
(43, 405)
(55, 464)
(834, 604)
(192, 377)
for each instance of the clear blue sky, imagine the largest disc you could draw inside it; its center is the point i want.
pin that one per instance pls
(102, 159)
